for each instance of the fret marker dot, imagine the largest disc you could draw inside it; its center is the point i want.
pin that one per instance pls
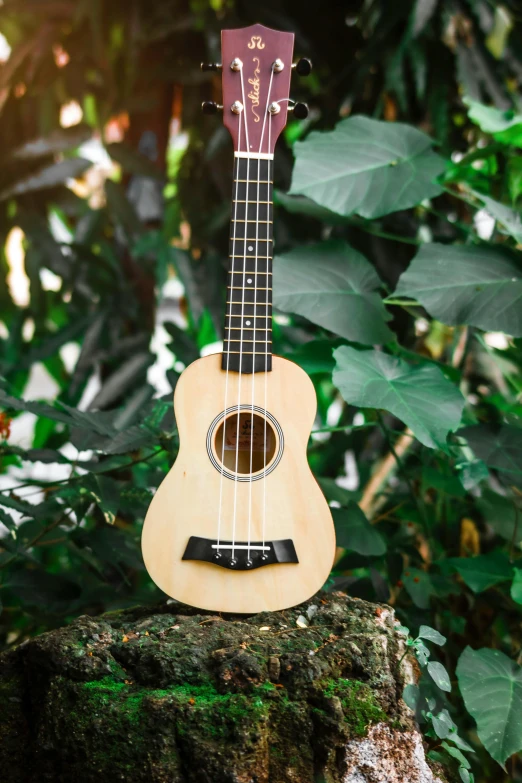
(250, 248)
(248, 323)
(249, 280)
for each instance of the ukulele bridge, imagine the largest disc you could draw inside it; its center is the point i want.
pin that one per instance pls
(240, 555)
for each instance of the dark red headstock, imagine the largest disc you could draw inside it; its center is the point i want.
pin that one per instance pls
(254, 81)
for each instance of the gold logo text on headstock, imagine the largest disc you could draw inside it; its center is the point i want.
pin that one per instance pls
(256, 42)
(254, 92)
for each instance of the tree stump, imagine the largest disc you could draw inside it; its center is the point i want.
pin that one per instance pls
(174, 695)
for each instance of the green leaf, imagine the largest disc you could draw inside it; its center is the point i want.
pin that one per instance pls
(476, 285)
(300, 205)
(59, 140)
(439, 675)
(507, 217)
(503, 125)
(483, 571)
(6, 519)
(421, 651)
(333, 491)
(491, 686)
(48, 177)
(429, 404)
(442, 722)
(334, 286)
(132, 161)
(106, 491)
(471, 474)
(419, 587)
(367, 167)
(70, 416)
(501, 513)
(500, 447)
(127, 374)
(354, 532)
(465, 776)
(443, 479)
(315, 356)
(411, 696)
(425, 632)
(422, 13)
(457, 754)
(131, 439)
(516, 586)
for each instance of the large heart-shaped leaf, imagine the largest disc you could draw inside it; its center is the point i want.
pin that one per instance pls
(476, 285)
(499, 446)
(367, 167)
(354, 532)
(420, 396)
(491, 686)
(334, 286)
(501, 513)
(482, 571)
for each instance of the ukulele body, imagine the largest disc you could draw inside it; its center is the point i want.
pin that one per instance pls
(298, 523)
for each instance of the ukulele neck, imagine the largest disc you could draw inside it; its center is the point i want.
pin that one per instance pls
(248, 322)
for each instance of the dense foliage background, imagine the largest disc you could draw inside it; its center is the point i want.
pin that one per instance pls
(114, 210)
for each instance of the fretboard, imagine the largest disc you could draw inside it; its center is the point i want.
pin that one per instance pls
(248, 321)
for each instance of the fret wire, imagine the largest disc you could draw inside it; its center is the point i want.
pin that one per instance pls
(246, 329)
(256, 181)
(238, 315)
(246, 272)
(260, 258)
(249, 239)
(242, 288)
(256, 304)
(227, 340)
(241, 220)
(258, 353)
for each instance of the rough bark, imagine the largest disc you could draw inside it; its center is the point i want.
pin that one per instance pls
(181, 696)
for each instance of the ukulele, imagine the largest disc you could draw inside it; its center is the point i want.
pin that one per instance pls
(239, 524)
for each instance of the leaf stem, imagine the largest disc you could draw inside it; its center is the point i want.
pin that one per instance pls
(401, 302)
(386, 234)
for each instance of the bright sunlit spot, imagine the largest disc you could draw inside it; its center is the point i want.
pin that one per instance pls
(5, 49)
(70, 114)
(17, 279)
(496, 340)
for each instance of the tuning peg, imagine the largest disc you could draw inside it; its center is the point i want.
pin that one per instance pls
(210, 107)
(211, 66)
(303, 66)
(300, 111)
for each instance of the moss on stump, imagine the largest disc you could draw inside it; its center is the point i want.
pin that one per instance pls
(174, 695)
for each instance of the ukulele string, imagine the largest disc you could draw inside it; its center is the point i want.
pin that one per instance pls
(251, 481)
(242, 313)
(228, 353)
(266, 350)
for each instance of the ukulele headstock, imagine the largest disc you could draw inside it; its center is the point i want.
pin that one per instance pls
(257, 66)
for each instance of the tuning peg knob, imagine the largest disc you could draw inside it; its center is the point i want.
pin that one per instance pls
(303, 66)
(300, 111)
(210, 107)
(211, 66)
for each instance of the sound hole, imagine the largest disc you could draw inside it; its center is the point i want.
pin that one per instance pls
(254, 449)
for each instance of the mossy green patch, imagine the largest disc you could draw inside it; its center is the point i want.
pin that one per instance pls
(360, 707)
(202, 706)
